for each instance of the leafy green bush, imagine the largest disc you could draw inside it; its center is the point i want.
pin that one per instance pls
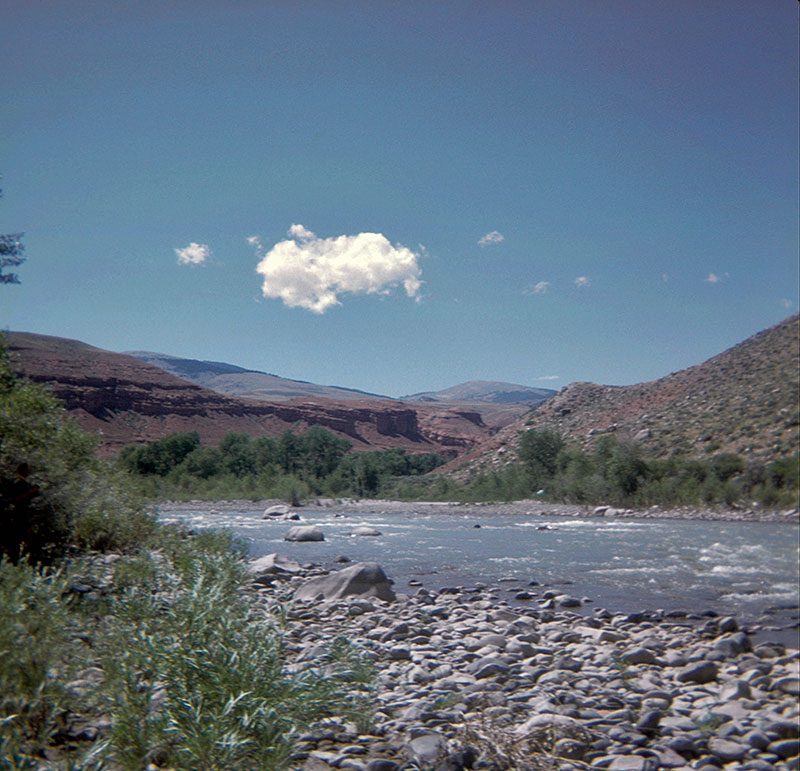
(538, 451)
(54, 491)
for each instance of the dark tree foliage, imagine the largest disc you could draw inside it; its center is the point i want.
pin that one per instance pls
(319, 460)
(11, 250)
(54, 492)
(161, 456)
(539, 450)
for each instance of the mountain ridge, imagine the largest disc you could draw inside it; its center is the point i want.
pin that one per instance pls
(265, 385)
(125, 401)
(495, 391)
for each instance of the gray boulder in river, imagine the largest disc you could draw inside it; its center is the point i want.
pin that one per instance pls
(304, 533)
(364, 579)
(365, 530)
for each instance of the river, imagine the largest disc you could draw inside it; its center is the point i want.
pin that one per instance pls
(745, 569)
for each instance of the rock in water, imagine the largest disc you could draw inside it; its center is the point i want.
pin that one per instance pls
(364, 579)
(365, 530)
(279, 510)
(304, 533)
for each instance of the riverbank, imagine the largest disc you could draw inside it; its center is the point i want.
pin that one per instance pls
(463, 680)
(524, 508)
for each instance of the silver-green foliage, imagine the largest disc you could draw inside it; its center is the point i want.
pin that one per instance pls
(34, 633)
(196, 674)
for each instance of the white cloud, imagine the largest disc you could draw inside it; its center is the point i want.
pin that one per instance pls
(713, 278)
(549, 377)
(194, 254)
(786, 303)
(539, 288)
(581, 282)
(309, 272)
(301, 233)
(491, 238)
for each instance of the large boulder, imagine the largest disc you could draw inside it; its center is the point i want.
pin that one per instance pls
(278, 510)
(304, 533)
(365, 530)
(364, 579)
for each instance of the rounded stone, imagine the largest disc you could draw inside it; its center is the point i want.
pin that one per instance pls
(785, 748)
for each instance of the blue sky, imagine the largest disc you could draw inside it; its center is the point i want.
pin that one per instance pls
(401, 196)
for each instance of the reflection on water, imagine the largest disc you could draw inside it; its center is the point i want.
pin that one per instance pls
(740, 568)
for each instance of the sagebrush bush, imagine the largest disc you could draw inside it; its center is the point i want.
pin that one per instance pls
(196, 673)
(35, 630)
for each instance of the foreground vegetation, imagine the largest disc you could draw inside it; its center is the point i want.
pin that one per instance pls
(125, 643)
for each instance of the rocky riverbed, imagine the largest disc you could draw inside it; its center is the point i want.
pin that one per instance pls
(464, 680)
(522, 508)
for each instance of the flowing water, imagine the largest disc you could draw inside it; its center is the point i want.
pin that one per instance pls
(746, 569)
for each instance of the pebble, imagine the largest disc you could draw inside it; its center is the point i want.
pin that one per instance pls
(462, 676)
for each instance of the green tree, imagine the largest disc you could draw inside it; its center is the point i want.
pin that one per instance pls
(161, 456)
(726, 465)
(203, 462)
(239, 455)
(538, 451)
(287, 453)
(53, 490)
(11, 250)
(322, 450)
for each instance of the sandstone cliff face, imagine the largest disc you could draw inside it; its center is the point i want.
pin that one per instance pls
(126, 400)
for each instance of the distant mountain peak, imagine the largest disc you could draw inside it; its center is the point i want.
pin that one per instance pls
(494, 391)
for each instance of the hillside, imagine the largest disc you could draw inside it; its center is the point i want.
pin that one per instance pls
(496, 404)
(744, 400)
(486, 391)
(238, 381)
(125, 400)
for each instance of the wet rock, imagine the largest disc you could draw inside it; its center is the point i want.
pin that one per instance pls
(278, 510)
(365, 531)
(301, 533)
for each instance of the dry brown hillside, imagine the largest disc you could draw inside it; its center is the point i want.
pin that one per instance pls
(126, 401)
(744, 400)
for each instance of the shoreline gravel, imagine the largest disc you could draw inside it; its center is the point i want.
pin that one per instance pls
(464, 681)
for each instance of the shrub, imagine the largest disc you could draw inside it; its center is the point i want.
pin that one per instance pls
(538, 451)
(34, 629)
(196, 677)
(725, 465)
(53, 490)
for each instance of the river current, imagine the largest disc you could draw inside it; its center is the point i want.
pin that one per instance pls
(745, 569)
